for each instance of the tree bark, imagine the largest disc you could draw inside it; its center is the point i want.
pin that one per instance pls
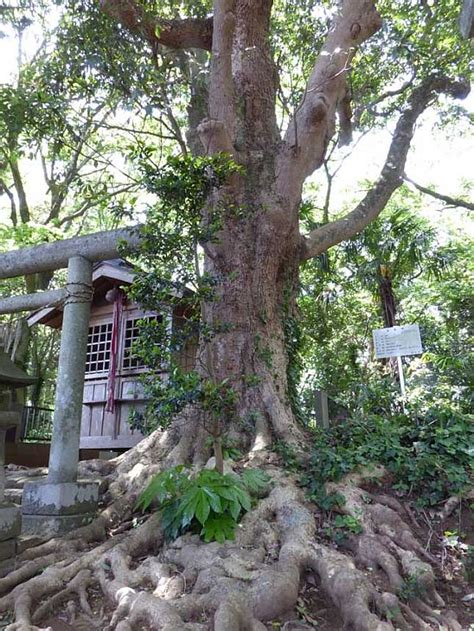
(466, 19)
(254, 260)
(186, 33)
(387, 297)
(256, 280)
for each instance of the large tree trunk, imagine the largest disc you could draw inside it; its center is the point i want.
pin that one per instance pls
(256, 273)
(254, 259)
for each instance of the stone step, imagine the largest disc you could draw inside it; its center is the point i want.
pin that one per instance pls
(17, 479)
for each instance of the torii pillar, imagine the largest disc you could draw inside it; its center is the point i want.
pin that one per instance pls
(466, 20)
(62, 502)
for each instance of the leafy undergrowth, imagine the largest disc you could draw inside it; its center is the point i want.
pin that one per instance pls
(429, 459)
(207, 502)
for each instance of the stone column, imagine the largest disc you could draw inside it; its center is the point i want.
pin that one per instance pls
(61, 503)
(64, 454)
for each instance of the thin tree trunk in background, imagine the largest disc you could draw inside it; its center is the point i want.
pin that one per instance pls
(387, 302)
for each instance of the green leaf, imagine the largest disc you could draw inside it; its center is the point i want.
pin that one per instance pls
(244, 498)
(234, 508)
(228, 493)
(188, 505)
(214, 500)
(219, 529)
(171, 521)
(161, 486)
(255, 479)
(202, 507)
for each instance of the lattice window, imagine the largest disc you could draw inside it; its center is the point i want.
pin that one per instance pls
(98, 348)
(132, 330)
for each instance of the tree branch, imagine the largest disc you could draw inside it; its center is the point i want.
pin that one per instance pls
(391, 177)
(344, 112)
(313, 123)
(13, 214)
(184, 33)
(23, 206)
(217, 132)
(59, 190)
(370, 107)
(452, 201)
(90, 203)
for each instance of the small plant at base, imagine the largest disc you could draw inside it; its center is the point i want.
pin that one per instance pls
(209, 503)
(431, 458)
(327, 501)
(343, 526)
(412, 588)
(229, 448)
(349, 523)
(288, 454)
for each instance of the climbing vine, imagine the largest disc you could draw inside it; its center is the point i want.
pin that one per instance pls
(169, 278)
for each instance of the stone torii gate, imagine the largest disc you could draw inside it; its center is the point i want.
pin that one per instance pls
(466, 20)
(62, 502)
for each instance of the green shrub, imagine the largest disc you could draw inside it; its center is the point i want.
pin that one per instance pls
(431, 458)
(209, 503)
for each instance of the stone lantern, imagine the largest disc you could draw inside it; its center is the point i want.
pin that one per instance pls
(11, 377)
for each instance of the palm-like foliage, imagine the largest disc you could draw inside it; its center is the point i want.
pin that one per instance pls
(399, 246)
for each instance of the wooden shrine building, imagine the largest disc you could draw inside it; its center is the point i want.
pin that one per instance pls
(112, 388)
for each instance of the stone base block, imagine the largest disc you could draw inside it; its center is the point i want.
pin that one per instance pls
(10, 521)
(47, 526)
(64, 498)
(7, 549)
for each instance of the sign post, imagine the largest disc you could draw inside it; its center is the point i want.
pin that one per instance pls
(397, 341)
(402, 380)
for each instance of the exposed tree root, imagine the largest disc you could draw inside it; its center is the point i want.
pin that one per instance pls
(188, 585)
(452, 503)
(388, 543)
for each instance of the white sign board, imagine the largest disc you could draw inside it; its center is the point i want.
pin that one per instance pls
(397, 341)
